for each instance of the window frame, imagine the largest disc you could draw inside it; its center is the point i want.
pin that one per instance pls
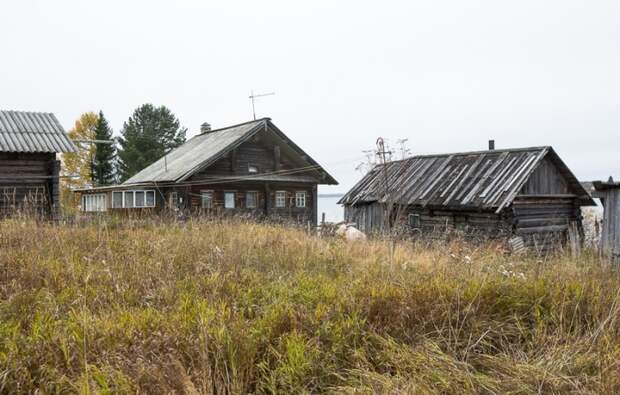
(116, 193)
(94, 202)
(203, 194)
(414, 221)
(234, 198)
(298, 195)
(255, 194)
(132, 192)
(280, 196)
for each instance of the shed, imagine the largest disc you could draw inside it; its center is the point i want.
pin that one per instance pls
(29, 169)
(609, 193)
(525, 192)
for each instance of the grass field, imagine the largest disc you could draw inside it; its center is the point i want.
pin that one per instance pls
(237, 308)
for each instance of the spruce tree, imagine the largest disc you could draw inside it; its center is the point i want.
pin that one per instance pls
(103, 171)
(146, 136)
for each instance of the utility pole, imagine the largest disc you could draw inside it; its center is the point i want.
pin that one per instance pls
(253, 96)
(381, 153)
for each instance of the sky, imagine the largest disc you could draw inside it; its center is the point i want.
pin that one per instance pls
(446, 75)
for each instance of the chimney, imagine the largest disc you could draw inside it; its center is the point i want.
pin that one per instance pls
(205, 127)
(491, 145)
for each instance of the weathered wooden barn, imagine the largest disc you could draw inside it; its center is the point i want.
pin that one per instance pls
(29, 169)
(528, 192)
(250, 169)
(609, 193)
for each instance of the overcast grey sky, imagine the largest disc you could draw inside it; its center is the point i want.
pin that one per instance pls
(448, 75)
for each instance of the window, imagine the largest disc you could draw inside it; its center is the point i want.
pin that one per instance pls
(300, 199)
(139, 198)
(252, 169)
(280, 199)
(206, 198)
(93, 203)
(251, 199)
(128, 199)
(133, 198)
(150, 199)
(229, 200)
(117, 199)
(414, 221)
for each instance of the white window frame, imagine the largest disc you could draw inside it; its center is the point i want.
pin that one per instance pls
(234, 197)
(146, 193)
(301, 199)
(255, 193)
(280, 199)
(95, 202)
(132, 192)
(122, 199)
(204, 194)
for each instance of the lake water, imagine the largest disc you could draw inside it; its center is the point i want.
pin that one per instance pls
(328, 205)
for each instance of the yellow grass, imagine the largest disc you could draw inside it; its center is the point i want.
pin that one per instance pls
(210, 307)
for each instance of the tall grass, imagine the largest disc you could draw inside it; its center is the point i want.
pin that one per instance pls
(229, 308)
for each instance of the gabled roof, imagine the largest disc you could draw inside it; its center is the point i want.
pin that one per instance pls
(480, 180)
(32, 132)
(204, 149)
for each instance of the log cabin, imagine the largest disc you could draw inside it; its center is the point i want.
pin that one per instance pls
(526, 195)
(251, 169)
(29, 168)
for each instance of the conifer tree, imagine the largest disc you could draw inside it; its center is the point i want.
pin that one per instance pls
(103, 171)
(146, 136)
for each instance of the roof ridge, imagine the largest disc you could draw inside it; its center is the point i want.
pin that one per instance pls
(28, 112)
(234, 126)
(472, 153)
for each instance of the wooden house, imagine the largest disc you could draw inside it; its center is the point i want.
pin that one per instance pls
(527, 192)
(250, 169)
(609, 193)
(29, 169)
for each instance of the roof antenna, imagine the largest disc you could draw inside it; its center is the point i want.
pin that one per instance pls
(253, 96)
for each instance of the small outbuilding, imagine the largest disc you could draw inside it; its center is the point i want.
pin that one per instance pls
(609, 193)
(525, 194)
(29, 168)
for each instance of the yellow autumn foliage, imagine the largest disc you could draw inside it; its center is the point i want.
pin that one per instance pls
(76, 166)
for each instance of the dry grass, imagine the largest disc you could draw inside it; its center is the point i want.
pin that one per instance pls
(238, 308)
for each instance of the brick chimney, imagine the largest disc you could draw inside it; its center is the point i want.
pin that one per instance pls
(205, 127)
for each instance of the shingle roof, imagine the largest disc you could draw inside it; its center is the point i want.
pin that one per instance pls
(482, 179)
(32, 132)
(204, 149)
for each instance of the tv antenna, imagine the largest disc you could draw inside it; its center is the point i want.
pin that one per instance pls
(254, 96)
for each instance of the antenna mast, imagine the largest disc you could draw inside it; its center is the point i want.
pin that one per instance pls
(253, 96)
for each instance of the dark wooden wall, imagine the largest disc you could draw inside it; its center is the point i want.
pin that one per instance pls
(29, 181)
(542, 221)
(265, 156)
(546, 180)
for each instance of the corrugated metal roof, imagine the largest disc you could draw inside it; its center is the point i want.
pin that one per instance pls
(22, 131)
(483, 179)
(195, 153)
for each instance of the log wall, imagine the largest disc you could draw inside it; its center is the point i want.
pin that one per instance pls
(29, 182)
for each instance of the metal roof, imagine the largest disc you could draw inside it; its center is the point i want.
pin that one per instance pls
(481, 180)
(202, 150)
(22, 131)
